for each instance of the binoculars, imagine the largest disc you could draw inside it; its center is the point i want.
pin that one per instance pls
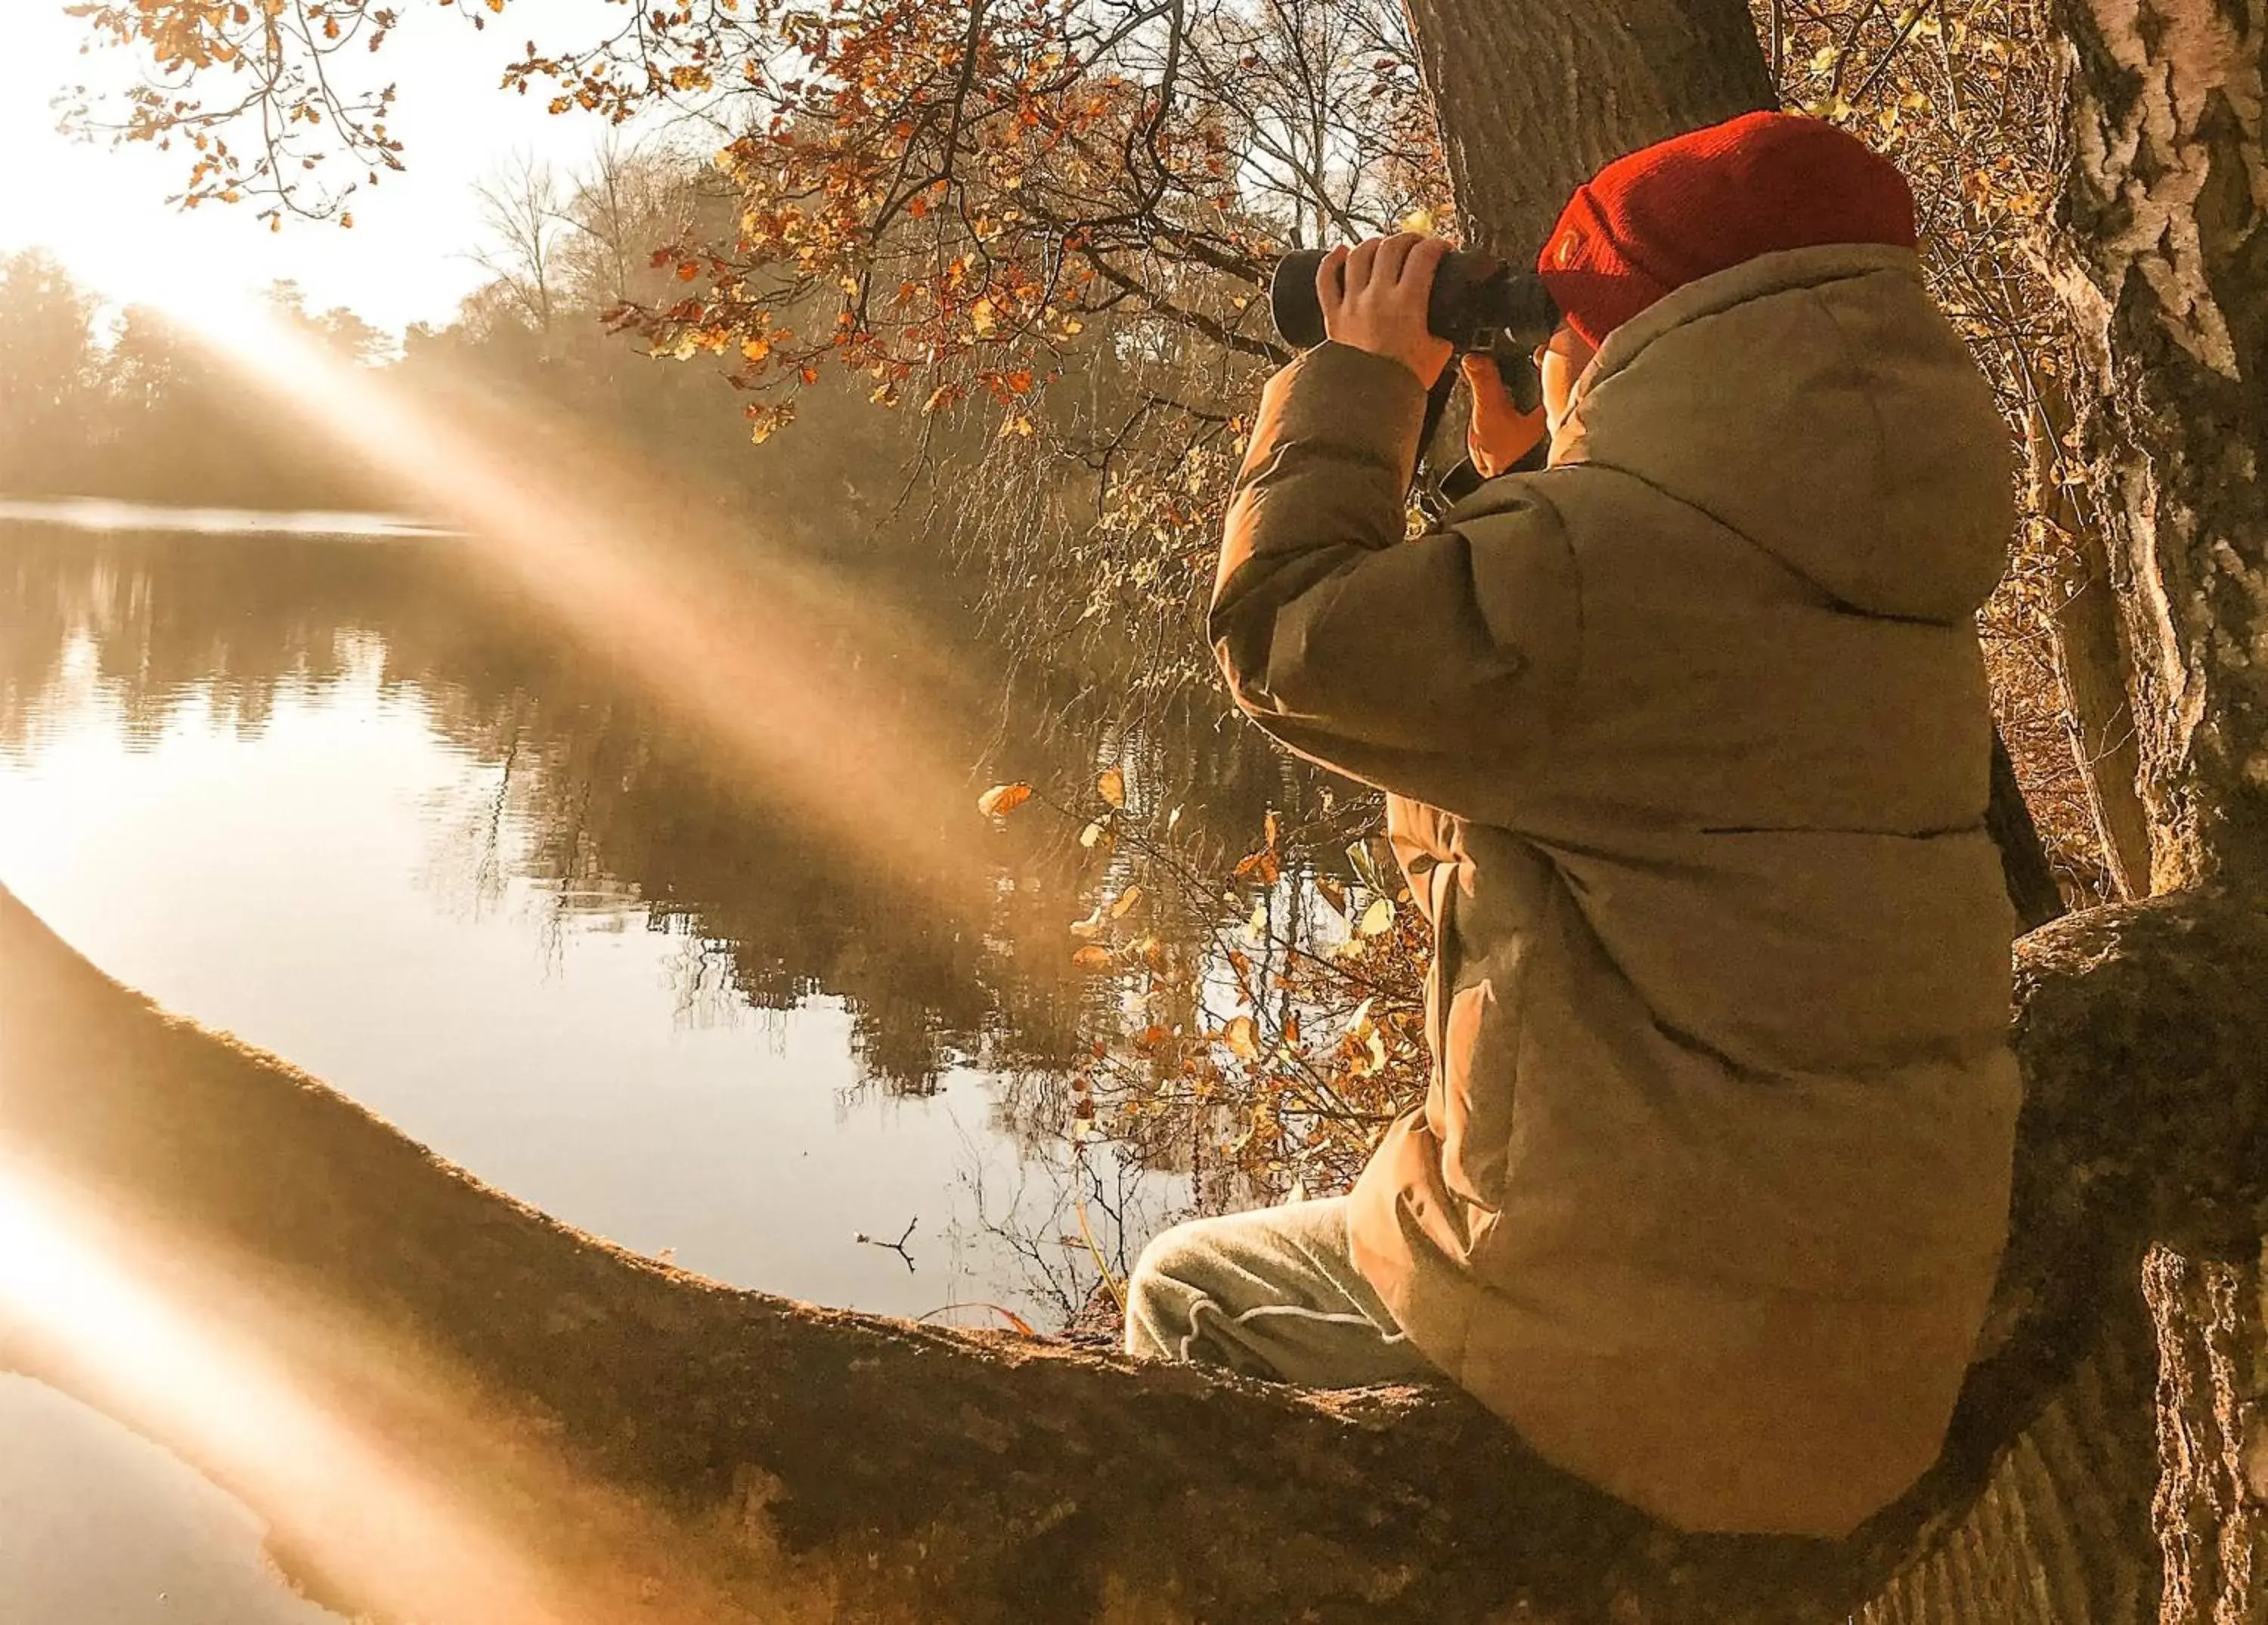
(1478, 302)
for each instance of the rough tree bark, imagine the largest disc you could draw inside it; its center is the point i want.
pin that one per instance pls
(1534, 99)
(2164, 245)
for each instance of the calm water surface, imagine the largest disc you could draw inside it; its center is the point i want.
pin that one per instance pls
(335, 797)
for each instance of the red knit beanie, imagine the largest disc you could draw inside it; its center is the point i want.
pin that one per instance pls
(1702, 203)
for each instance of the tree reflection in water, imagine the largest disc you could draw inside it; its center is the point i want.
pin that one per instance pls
(606, 808)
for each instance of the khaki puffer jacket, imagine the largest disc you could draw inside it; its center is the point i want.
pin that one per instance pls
(1687, 751)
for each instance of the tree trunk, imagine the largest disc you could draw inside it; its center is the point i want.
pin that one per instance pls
(2164, 251)
(452, 1408)
(2025, 870)
(2091, 658)
(1536, 98)
(2163, 244)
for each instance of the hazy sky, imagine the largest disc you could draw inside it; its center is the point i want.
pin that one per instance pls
(104, 210)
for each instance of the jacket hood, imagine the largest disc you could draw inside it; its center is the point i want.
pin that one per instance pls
(1816, 402)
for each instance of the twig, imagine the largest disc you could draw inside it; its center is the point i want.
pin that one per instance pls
(897, 1246)
(1003, 1310)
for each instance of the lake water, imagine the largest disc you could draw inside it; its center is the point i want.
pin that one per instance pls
(340, 797)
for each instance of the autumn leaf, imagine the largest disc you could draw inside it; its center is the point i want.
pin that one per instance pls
(1263, 864)
(1003, 799)
(1376, 918)
(1242, 1037)
(1112, 787)
(1127, 899)
(1364, 859)
(1092, 957)
(1094, 834)
(765, 422)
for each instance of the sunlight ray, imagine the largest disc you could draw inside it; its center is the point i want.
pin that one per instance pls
(363, 1513)
(828, 698)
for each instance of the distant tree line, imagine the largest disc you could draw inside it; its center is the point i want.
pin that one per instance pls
(102, 402)
(120, 403)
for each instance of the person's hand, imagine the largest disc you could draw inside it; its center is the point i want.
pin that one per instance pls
(1373, 297)
(1499, 433)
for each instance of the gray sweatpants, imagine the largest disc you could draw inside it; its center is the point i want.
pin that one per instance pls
(1268, 1293)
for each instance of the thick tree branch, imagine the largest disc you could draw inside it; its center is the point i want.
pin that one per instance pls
(628, 1430)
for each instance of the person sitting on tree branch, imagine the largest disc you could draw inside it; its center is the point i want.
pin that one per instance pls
(1686, 746)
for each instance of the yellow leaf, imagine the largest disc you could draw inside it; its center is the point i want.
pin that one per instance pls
(1095, 833)
(1112, 787)
(1242, 1037)
(1127, 899)
(1003, 799)
(763, 422)
(1377, 917)
(1091, 926)
(1092, 957)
